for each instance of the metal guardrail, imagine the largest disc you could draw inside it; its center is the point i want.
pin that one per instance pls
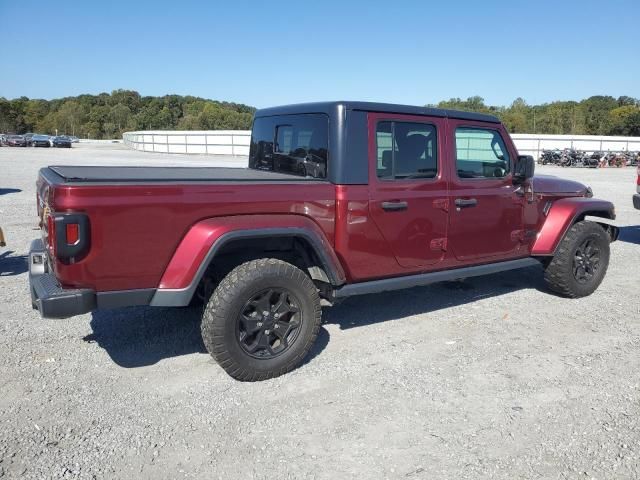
(236, 142)
(212, 142)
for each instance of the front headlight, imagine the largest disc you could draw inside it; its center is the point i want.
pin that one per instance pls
(588, 193)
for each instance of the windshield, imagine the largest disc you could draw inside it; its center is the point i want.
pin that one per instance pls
(293, 144)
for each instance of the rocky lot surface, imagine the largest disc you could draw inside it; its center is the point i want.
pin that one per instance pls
(492, 377)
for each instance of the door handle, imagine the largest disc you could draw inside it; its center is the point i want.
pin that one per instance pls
(394, 206)
(466, 202)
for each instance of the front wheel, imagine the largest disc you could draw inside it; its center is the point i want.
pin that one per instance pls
(262, 319)
(580, 262)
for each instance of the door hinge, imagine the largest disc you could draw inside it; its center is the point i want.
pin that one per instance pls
(441, 203)
(439, 244)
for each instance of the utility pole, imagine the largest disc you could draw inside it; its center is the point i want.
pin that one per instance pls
(534, 119)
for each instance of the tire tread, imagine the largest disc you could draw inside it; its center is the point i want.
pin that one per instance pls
(558, 274)
(215, 318)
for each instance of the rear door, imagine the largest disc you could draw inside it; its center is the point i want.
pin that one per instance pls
(408, 186)
(486, 220)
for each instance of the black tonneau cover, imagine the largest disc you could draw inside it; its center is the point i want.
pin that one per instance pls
(81, 174)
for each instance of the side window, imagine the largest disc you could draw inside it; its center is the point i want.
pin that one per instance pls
(406, 150)
(480, 153)
(292, 144)
(284, 135)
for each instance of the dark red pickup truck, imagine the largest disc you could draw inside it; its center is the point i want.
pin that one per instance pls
(340, 199)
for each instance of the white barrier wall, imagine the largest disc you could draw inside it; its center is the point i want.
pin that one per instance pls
(531, 144)
(236, 142)
(212, 142)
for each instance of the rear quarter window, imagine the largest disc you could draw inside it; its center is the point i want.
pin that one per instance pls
(293, 144)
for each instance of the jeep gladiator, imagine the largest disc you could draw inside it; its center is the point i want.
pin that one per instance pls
(340, 199)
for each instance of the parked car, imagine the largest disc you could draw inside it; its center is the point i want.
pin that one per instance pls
(60, 142)
(401, 197)
(40, 141)
(16, 141)
(27, 137)
(74, 139)
(636, 197)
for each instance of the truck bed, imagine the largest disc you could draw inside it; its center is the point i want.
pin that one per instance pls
(138, 215)
(82, 174)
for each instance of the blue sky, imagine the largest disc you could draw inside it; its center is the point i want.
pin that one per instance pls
(273, 52)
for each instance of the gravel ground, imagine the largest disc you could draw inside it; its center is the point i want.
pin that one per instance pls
(488, 378)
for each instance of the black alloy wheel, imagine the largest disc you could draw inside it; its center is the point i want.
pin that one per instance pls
(269, 323)
(586, 261)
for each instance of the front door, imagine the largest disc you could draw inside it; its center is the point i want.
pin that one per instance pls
(486, 219)
(408, 186)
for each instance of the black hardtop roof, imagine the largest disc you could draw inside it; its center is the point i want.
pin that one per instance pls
(333, 108)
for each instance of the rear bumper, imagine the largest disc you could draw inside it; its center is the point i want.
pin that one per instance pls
(636, 201)
(47, 296)
(53, 301)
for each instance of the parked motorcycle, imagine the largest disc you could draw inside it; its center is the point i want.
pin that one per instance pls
(550, 157)
(570, 157)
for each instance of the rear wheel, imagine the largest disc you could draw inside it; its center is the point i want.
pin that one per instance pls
(581, 261)
(262, 319)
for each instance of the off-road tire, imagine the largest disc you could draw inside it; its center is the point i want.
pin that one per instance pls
(559, 273)
(221, 314)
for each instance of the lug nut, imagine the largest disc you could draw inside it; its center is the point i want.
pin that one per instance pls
(275, 326)
(259, 324)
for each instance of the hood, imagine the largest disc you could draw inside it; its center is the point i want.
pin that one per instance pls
(556, 185)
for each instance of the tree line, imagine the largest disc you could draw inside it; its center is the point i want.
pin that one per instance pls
(597, 115)
(109, 115)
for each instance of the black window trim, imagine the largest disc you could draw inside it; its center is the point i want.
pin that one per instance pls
(393, 122)
(481, 127)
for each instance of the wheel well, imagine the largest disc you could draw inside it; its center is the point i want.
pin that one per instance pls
(296, 250)
(611, 230)
(593, 213)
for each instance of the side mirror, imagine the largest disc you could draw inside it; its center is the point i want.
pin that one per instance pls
(525, 167)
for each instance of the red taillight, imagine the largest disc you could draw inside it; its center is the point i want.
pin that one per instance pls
(73, 233)
(638, 179)
(68, 235)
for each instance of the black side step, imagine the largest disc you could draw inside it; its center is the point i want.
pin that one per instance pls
(398, 283)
